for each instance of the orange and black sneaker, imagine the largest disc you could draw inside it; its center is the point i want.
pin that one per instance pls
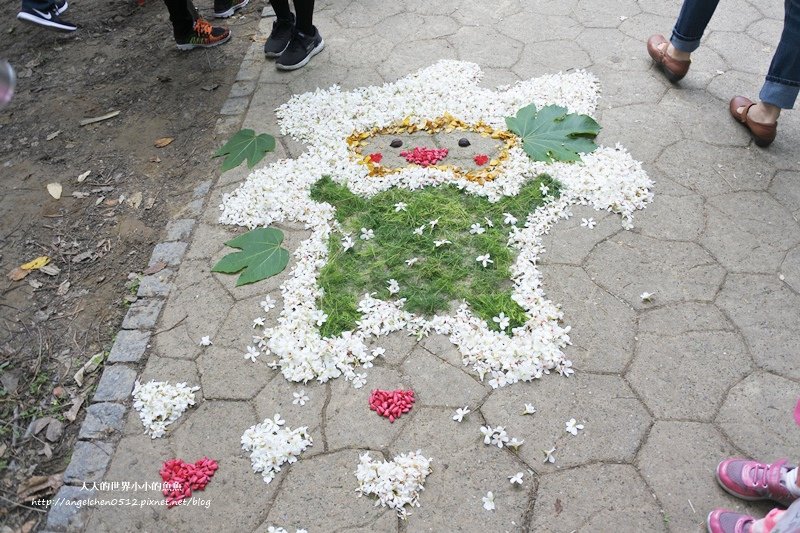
(203, 35)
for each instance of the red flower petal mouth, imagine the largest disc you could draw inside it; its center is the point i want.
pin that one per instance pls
(424, 157)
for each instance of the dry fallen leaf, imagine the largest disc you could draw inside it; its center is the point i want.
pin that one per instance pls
(36, 284)
(88, 367)
(84, 176)
(55, 190)
(39, 486)
(210, 87)
(47, 451)
(63, 288)
(558, 506)
(72, 414)
(18, 274)
(149, 203)
(155, 267)
(50, 270)
(54, 430)
(135, 200)
(53, 135)
(155, 159)
(37, 263)
(162, 142)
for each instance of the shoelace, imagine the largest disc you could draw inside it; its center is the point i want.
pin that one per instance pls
(202, 27)
(759, 474)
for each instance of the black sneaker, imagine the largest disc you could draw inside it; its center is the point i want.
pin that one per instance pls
(48, 19)
(226, 8)
(301, 49)
(204, 35)
(279, 37)
(61, 6)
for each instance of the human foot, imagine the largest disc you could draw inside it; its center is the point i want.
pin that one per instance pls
(673, 62)
(761, 119)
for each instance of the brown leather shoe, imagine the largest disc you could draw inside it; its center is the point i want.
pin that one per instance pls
(763, 134)
(674, 69)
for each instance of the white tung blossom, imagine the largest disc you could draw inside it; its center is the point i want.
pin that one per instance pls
(160, 404)
(396, 483)
(488, 501)
(607, 179)
(461, 413)
(573, 426)
(516, 478)
(206, 341)
(271, 445)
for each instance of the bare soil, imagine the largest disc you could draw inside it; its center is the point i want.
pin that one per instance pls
(103, 228)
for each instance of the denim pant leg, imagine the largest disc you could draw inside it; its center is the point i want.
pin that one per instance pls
(783, 77)
(692, 22)
(182, 14)
(41, 5)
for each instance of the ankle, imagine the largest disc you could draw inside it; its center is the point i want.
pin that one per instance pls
(680, 55)
(764, 113)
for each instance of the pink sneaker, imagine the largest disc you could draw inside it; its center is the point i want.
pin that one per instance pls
(724, 521)
(750, 480)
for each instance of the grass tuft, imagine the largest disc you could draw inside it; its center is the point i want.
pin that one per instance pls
(442, 275)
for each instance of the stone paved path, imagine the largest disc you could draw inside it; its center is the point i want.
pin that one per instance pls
(709, 369)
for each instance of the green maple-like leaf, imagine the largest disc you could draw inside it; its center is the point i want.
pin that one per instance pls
(245, 144)
(261, 256)
(552, 133)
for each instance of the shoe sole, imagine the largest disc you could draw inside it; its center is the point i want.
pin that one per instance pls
(190, 46)
(26, 17)
(61, 9)
(229, 13)
(317, 49)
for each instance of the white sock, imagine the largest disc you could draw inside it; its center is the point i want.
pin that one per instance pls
(790, 480)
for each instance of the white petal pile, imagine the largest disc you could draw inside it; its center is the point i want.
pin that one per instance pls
(606, 179)
(396, 483)
(160, 404)
(271, 445)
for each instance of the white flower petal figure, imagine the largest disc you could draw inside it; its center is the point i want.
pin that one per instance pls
(300, 398)
(646, 297)
(529, 409)
(548, 455)
(488, 501)
(400, 206)
(516, 478)
(607, 179)
(573, 426)
(461, 413)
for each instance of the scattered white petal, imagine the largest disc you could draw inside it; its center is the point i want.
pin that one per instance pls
(396, 483)
(252, 354)
(501, 320)
(646, 297)
(484, 260)
(160, 404)
(206, 341)
(588, 223)
(509, 219)
(529, 409)
(461, 413)
(573, 427)
(366, 234)
(300, 398)
(548, 455)
(400, 206)
(412, 261)
(516, 478)
(476, 229)
(437, 244)
(271, 446)
(488, 501)
(419, 230)
(393, 286)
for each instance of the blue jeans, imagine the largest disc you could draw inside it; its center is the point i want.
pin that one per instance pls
(783, 78)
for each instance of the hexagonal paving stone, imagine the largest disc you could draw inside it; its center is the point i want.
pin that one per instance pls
(631, 264)
(790, 270)
(670, 370)
(319, 494)
(711, 170)
(602, 326)
(765, 310)
(397, 345)
(172, 370)
(208, 240)
(409, 57)
(569, 242)
(619, 89)
(227, 375)
(612, 49)
(237, 330)
(785, 190)
(749, 231)
(678, 461)
(633, 126)
(530, 27)
(485, 46)
(278, 397)
(549, 57)
(606, 14)
(615, 420)
(570, 501)
(738, 48)
(438, 383)
(702, 118)
(349, 421)
(200, 308)
(366, 13)
(464, 469)
(441, 347)
(678, 218)
(757, 417)
(214, 429)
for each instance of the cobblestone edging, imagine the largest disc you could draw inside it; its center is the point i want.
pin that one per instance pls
(105, 416)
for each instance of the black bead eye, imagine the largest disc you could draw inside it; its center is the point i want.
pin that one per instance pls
(396, 143)
(463, 142)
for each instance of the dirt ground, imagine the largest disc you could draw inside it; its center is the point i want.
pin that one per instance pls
(104, 226)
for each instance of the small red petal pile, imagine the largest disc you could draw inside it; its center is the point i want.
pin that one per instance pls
(481, 159)
(391, 403)
(181, 478)
(376, 157)
(424, 157)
